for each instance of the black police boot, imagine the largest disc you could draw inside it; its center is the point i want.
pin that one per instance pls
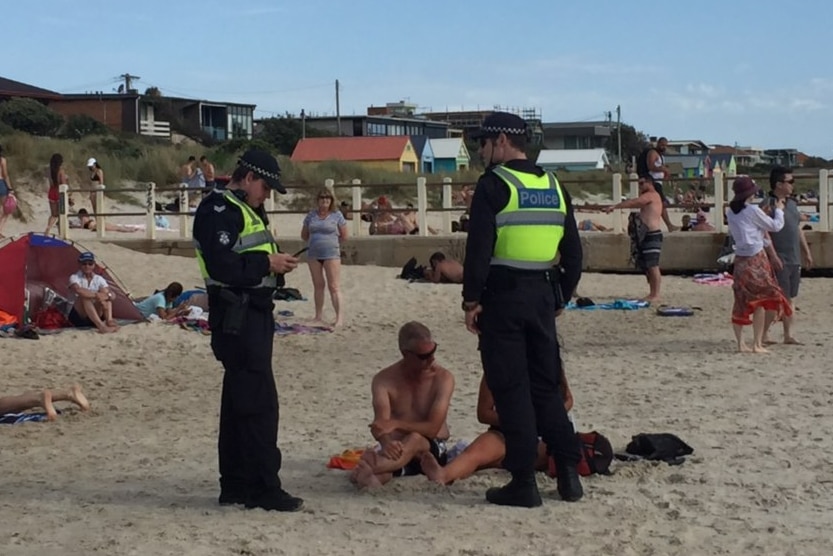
(229, 497)
(521, 491)
(569, 485)
(277, 501)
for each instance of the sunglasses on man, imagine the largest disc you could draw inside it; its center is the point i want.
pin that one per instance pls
(427, 355)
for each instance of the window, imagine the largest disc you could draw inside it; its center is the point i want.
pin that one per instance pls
(374, 129)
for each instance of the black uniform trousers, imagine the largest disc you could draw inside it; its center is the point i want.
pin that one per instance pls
(522, 365)
(248, 451)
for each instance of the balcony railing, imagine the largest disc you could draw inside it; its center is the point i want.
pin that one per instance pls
(155, 128)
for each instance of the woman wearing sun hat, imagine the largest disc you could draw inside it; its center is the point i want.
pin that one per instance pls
(755, 288)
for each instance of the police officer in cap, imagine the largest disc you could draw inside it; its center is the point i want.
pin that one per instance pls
(520, 218)
(242, 266)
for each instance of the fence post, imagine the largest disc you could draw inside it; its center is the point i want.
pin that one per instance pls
(422, 206)
(150, 208)
(617, 197)
(633, 182)
(824, 200)
(356, 190)
(184, 209)
(63, 206)
(101, 221)
(447, 204)
(718, 201)
(269, 206)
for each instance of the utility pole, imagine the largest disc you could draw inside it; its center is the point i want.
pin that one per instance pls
(338, 111)
(619, 130)
(127, 81)
(303, 124)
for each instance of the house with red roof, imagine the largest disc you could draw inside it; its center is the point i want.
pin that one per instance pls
(393, 153)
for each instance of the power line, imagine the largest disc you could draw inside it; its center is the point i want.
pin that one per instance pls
(244, 93)
(90, 85)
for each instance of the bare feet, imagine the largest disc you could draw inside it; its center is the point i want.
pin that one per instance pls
(759, 349)
(338, 322)
(650, 299)
(792, 341)
(46, 402)
(78, 398)
(743, 348)
(432, 468)
(364, 477)
(112, 324)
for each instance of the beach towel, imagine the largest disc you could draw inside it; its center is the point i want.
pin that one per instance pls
(17, 418)
(346, 460)
(289, 328)
(618, 304)
(197, 325)
(719, 279)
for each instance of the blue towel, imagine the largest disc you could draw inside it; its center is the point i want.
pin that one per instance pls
(618, 304)
(17, 418)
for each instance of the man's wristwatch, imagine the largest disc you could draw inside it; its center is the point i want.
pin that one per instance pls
(469, 305)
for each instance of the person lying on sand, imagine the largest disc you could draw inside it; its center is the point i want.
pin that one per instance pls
(442, 270)
(488, 449)
(410, 408)
(44, 399)
(87, 222)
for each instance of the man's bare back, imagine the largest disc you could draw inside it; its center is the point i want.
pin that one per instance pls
(448, 271)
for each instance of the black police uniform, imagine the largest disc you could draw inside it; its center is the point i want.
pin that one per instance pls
(518, 343)
(249, 456)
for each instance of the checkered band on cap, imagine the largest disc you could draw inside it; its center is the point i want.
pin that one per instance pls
(259, 171)
(507, 130)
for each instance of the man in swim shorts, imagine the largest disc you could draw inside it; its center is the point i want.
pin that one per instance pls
(645, 233)
(410, 408)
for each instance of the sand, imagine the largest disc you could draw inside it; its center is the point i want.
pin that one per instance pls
(138, 473)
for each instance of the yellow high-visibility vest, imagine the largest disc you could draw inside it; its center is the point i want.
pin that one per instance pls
(531, 225)
(255, 237)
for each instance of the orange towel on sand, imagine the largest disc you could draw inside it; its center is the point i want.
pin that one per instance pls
(347, 460)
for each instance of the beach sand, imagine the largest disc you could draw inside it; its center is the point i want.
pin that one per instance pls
(138, 473)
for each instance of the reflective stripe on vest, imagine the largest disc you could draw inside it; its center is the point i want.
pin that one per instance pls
(254, 237)
(531, 225)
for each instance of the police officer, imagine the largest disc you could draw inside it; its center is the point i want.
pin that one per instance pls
(520, 218)
(242, 266)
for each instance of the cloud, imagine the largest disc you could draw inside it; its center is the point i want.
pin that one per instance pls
(704, 98)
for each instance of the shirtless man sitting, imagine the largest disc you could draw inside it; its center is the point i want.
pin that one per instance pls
(443, 270)
(410, 407)
(487, 450)
(44, 399)
(645, 232)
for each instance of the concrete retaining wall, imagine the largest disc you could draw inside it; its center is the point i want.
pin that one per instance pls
(682, 251)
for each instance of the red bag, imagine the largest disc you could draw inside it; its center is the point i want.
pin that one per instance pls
(596, 455)
(50, 319)
(10, 204)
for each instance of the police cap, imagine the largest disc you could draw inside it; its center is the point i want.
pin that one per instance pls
(500, 122)
(264, 165)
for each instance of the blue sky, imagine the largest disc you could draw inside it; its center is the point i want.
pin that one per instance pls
(752, 73)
